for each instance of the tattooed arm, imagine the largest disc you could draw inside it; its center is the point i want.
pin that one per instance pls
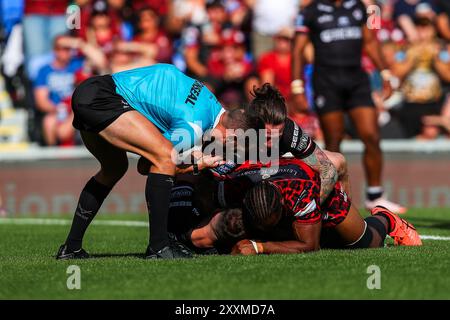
(294, 140)
(328, 173)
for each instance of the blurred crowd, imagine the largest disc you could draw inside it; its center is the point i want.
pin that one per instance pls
(49, 46)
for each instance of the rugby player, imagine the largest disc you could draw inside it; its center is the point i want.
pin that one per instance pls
(282, 207)
(268, 111)
(339, 30)
(146, 111)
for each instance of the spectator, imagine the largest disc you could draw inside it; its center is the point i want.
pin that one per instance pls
(121, 15)
(150, 33)
(269, 17)
(55, 83)
(183, 13)
(231, 73)
(274, 66)
(405, 12)
(161, 7)
(44, 19)
(239, 14)
(101, 32)
(442, 120)
(201, 41)
(442, 20)
(422, 67)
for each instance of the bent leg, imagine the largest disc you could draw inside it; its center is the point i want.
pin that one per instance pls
(114, 164)
(135, 133)
(359, 233)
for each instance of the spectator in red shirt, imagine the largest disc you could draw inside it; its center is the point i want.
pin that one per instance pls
(230, 72)
(101, 32)
(159, 6)
(274, 66)
(43, 20)
(151, 33)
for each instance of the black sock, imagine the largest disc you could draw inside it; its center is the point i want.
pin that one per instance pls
(374, 193)
(157, 195)
(376, 224)
(91, 198)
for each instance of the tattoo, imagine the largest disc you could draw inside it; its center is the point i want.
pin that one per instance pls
(328, 173)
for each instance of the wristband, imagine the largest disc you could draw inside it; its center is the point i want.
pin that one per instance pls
(297, 87)
(255, 246)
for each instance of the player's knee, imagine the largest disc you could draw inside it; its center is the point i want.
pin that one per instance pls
(163, 161)
(364, 241)
(371, 140)
(113, 172)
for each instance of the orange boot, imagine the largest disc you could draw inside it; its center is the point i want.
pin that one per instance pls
(403, 233)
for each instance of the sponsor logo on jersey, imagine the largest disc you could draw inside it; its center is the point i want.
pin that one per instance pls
(339, 34)
(325, 18)
(320, 101)
(349, 4)
(304, 143)
(325, 8)
(192, 97)
(225, 168)
(295, 135)
(357, 14)
(343, 21)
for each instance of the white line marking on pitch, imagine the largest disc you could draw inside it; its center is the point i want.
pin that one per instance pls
(65, 222)
(122, 223)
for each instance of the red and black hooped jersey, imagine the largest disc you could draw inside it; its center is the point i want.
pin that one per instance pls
(298, 183)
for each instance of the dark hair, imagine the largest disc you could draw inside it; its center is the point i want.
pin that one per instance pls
(59, 36)
(229, 227)
(237, 119)
(262, 206)
(268, 106)
(146, 9)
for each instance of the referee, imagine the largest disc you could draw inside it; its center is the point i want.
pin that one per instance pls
(338, 31)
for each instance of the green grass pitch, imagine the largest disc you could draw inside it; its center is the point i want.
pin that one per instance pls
(29, 271)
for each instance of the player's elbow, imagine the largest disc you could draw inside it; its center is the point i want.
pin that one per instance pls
(332, 173)
(312, 247)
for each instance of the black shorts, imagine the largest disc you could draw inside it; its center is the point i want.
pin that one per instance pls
(96, 104)
(340, 89)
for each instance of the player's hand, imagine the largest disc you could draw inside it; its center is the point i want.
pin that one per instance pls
(244, 247)
(208, 161)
